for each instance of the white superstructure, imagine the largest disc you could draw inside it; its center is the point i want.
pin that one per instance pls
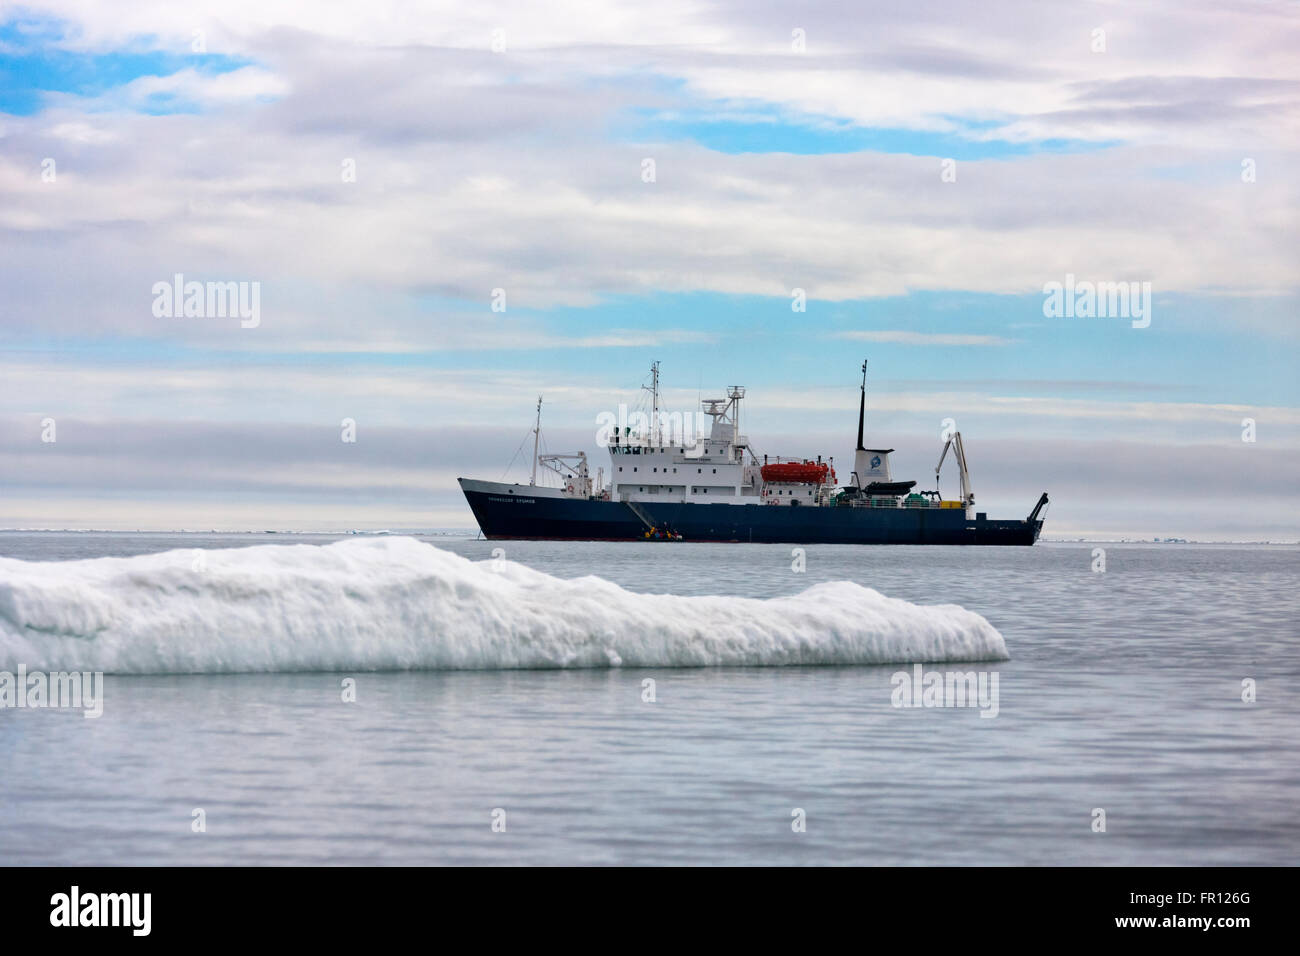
(712, 469)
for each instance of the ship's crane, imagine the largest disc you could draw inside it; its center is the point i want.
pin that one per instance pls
(959, 452)
(572, 469)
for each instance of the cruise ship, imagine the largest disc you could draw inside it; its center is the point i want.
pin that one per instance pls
(665, 487)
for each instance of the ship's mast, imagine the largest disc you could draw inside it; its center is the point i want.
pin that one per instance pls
(654, 404)
(537, 430)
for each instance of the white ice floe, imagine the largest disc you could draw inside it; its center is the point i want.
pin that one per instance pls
(396, 603)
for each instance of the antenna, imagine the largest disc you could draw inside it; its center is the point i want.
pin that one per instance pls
(537, 430)
(653, 389)
(654, 411)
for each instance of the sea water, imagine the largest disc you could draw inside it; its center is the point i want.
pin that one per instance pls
(386, 701)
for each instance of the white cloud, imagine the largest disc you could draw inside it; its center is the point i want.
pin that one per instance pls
(243, 85)
(478, 170)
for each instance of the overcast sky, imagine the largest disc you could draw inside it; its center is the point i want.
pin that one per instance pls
(920, 171)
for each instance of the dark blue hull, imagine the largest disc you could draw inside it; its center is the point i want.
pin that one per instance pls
(579, 519)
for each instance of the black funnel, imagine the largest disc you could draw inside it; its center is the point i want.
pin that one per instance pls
(862, 406)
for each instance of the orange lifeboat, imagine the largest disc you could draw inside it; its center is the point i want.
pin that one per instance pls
(805, 472)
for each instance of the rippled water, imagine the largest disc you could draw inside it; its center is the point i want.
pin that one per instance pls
(1123, 693)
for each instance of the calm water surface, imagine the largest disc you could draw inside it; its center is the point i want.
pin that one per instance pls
(1124, 693)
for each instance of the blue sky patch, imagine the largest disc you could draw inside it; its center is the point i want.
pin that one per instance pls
(764, 128)
(1194, 349)
(31, 67)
